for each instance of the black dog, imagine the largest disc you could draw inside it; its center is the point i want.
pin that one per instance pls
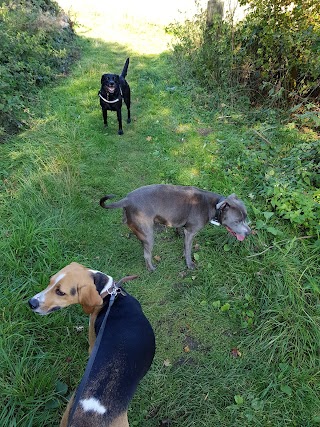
(113, 90)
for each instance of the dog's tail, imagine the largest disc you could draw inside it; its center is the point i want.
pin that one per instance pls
(125, 68)
(126, 279)
(120, 204)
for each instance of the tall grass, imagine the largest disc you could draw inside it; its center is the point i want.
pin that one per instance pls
(237, 339)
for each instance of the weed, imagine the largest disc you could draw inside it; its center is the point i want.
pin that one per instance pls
(252, 358)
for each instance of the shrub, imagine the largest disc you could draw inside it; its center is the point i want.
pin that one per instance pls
(279, 46)
(37, 45)
(274, 53)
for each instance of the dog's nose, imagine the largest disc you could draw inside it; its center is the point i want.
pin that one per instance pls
(33, 303)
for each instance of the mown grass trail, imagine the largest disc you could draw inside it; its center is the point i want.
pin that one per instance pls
(212, 367)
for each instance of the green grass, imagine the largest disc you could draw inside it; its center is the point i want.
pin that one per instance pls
(259, 297)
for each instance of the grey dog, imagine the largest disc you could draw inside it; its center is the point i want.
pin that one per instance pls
(178, 206)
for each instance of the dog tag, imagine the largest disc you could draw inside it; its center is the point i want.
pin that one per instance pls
(212, 221)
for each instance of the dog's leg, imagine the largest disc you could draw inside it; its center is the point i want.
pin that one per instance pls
(128, 103)
(65, 417)
(188, 238)
(120, 421)
(120, 131)
(145, 235)
(105, 117)
(92, 333)
(147, 253)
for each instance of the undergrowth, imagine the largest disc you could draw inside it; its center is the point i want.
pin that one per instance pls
(238, 337)
(281, 152)
(37, 45)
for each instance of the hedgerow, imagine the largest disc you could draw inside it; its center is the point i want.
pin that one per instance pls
(37, 45)
(267, 65)
(273, 53)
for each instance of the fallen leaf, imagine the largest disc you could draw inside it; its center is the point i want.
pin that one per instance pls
(157, 258)
(149, 138)
(166, 363)
(186, 349)
(235, 352)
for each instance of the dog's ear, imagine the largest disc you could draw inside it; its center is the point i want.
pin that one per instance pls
(229, 201)
(222, 204)
(89, 298)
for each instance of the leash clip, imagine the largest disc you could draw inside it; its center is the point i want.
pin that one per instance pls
(214, 222)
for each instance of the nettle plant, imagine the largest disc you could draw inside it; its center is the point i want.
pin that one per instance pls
(293, 186)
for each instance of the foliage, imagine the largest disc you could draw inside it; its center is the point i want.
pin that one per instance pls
(37, 45)
(238, 337)
(273, 52)
(278, 44)
(286, 172)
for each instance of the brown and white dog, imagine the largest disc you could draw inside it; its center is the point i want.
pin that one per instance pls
(124, 353)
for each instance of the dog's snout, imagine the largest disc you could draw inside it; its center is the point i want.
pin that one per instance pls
(33, 303)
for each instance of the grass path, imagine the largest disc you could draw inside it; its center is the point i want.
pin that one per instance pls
(211, 369)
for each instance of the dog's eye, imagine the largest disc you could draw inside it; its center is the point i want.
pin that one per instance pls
(60, 293)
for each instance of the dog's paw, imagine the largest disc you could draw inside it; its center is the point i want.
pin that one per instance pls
(191, 265)
(120, 132)
(128, 120)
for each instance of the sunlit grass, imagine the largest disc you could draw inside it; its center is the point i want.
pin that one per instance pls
(54, 175)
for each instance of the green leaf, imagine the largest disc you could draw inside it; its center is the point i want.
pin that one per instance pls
(260, 224)
(286, 389)
(226, 248)
(52, 404)
(196, 256)
(61, 388)
(268, 215)
(225, 307)
(257, 404)
(238, 399)
(216, 304)
(273, 231)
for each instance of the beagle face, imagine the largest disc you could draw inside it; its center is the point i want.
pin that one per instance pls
(74, 284)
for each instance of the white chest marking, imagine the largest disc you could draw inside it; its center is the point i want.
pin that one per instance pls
(92, 404)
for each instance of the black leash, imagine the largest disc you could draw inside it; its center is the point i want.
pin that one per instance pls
(93, 355)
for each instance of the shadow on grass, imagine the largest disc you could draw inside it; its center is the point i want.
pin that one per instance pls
(53, 176)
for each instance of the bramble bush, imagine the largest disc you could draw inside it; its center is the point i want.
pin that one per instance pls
(279, 45)
(272, 59)
(37, 45)
(273, 53)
